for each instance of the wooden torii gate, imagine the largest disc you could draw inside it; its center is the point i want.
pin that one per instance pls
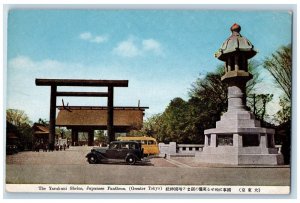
(110, 84)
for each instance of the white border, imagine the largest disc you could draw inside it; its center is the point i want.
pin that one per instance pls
(180, 4)
(156, 189)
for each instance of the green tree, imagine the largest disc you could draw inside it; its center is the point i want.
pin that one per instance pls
(17, 117)
(258, 104)
(185, 121)
(63, 133)
(284, 115)
(211, 89)
(21, 121)
(155, 126)
(208, 100)
(43, 122)
(100, 136)
(177, 121)
(279, 66)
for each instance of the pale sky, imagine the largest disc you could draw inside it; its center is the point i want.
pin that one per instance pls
(160, 52)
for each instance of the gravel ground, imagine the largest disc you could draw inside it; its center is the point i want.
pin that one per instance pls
(71, 167)
(192, 162)
(72, 156)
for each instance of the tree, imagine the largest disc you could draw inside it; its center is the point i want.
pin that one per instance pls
(63, 132)
(258, 104)
(20, 120)
(17, 117)
(253, 68)
(284, 115)
(177, 121)
(211, 89)
(208, 100)
(279, 66)
(185, 121)
(100, 136)
(155, 126)
(43, 122)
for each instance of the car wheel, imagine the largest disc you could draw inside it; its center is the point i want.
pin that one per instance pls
(130, 160)
(92, 159)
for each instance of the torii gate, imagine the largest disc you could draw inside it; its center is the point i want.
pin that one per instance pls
(110, 84)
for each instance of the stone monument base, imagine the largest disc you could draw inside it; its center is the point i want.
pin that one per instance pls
(244, 159)
(239, 139)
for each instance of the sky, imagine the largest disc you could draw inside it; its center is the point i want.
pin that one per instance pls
(160, 52)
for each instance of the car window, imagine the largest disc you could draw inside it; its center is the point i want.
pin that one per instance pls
(113, 146)
(151, 142)
(124, 146)
(132, 146)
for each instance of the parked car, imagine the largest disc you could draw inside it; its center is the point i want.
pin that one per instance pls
(129, 151)
(149, 144)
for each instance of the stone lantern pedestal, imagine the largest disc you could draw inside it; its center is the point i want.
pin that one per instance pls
(238, 137)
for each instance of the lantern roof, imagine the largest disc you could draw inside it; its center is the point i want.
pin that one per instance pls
(235, 43)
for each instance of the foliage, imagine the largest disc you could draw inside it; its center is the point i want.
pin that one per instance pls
(185, 121)
(177, 122)
(154, 127)
(43, 122)
(100, 136)
(63, 133)
(284, 115)
(17, 117)
(211, 88)
(253, 68)
(279, 66)
(20, 120)
(258, 104)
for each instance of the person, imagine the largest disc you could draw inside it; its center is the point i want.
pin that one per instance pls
(56, 147)
(37, 147)
(44, 147)
(51, 147)
(64, 146)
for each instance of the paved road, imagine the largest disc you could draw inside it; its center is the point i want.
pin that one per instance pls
(70, 167)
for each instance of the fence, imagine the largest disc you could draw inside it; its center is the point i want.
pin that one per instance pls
(185, 150)
(182, 150)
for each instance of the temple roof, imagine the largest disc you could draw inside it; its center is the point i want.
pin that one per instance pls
(236, 43)
(40, 129)
(96, 117)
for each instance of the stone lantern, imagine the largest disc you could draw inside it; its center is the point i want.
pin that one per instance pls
(238, 137)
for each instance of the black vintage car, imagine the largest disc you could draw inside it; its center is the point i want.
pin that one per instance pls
(129, 151)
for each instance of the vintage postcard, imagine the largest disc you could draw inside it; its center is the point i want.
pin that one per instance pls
(172, 101)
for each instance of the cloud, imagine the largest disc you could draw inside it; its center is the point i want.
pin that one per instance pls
(151, 45)
(87, 36)
(21, 62)
(26, 63)
(133, 47)
(127, 49)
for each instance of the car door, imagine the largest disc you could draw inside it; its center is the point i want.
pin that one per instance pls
(124, 149)
(113, 151)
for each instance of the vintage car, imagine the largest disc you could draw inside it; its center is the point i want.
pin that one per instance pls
(129, 151)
